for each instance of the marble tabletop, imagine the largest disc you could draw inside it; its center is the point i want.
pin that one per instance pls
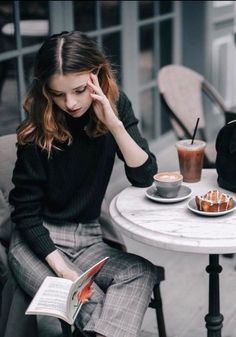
(174, 226)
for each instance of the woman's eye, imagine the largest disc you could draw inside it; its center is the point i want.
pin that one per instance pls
(80, 91)
(56, 95)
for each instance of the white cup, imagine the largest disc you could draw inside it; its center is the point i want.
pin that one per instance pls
(168, 183)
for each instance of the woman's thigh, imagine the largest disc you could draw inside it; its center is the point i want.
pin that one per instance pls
(120, 265)
(126, 280)
(27, 268)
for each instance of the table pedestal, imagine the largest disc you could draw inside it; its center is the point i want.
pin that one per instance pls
(214, 318)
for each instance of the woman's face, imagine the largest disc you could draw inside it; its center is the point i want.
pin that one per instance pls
(71, 93)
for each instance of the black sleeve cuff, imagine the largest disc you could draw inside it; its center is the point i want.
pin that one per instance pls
(142, 176)
(39, 240)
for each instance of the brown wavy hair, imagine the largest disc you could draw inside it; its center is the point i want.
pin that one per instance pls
(67, 52)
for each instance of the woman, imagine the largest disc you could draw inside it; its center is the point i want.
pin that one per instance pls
(77, 121)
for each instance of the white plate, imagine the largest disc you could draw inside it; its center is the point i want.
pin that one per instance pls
(183, 193)
(193, 207)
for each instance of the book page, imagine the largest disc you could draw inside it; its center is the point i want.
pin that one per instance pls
(51, 298)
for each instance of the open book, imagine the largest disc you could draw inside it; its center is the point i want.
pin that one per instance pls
(63, 298)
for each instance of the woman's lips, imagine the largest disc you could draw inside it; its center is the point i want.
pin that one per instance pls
(74, 112)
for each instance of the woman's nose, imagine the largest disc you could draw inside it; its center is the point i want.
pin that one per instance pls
(70, 102)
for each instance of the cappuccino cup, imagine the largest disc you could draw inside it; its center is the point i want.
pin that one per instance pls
(168, 184)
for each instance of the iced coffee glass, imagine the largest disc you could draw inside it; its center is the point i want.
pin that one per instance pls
(191, 159)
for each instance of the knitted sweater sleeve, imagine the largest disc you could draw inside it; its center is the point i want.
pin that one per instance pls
(141, 176)
(29, 180)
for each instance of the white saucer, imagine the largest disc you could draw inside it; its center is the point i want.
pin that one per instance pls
(183, 193)
(193, 207)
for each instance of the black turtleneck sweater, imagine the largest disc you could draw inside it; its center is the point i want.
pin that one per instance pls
(70, 185)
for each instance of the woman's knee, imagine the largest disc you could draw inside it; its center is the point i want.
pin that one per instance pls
(139, 267)
(145, 268)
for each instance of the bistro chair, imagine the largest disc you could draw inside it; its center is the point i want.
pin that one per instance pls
(182, 91)
(13, 301)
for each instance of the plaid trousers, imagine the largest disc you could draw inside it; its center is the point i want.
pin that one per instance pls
(122, 289)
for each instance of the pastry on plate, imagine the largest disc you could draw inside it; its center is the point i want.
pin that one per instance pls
(214, 201)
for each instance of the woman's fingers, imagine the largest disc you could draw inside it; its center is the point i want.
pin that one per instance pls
(92, 86)
(94, 79)
(97, 92)
(94, 83)
(94, 89)
(98, 97)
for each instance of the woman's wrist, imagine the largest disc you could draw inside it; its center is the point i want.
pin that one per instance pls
(56, 261)
(116, 126)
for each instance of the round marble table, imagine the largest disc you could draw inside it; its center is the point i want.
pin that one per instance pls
(175, 227)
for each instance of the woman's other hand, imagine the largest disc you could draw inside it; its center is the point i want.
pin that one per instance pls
(58, 264)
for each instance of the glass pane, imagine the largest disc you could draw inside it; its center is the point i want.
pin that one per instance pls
(7, 36)
(110, 12)
(147, 109)
(222, 3)
(34, 26)
(9, 111)
(112, 48)
(85, 15)
(146, 9)
(166, 43)
(146, 61)
(165, 7)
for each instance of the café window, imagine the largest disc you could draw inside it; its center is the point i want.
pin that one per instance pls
(155, 51)
(102, 20)
(22, 29)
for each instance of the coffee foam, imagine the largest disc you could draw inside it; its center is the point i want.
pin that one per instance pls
(165, 176)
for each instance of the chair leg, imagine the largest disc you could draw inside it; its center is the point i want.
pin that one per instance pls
(157, 304)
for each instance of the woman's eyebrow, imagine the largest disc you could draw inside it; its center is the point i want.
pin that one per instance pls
(79, 87)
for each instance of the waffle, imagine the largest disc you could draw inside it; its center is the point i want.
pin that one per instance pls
(214, 201)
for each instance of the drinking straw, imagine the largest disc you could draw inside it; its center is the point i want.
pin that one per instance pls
(195, 130)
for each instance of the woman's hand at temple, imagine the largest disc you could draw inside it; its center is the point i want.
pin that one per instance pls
(101, 104)
(133, 154)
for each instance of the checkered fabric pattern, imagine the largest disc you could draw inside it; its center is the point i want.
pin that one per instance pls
(122, 289)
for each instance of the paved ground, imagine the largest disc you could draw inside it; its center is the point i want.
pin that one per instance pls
(185, 293)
